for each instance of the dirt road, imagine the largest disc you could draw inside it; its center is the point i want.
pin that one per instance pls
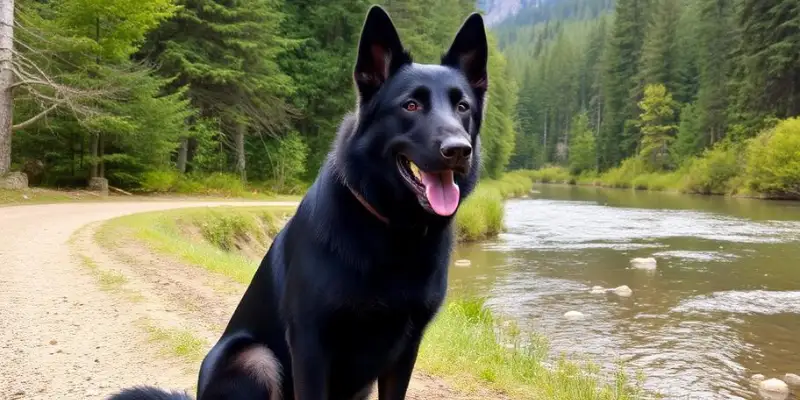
(64, 335)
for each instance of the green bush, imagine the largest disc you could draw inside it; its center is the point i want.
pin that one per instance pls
(223, 228)
(159, 181)
(552, 174)
(624, 175)
(714, 172)
(773, 160)
(481, 215)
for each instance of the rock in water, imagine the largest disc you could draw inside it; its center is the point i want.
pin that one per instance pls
(773, 389)
(573, 315)
(597, 290)
(623, 291)
(463, 263)
(644, 263)
(757, 378)
(792, 380)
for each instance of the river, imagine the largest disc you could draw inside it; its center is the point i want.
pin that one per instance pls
(723, 304)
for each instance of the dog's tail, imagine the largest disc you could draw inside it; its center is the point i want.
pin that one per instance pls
(149, 393)
(237, 367)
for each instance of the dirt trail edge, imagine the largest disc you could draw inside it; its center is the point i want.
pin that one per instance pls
(61, 337)
(64, 335)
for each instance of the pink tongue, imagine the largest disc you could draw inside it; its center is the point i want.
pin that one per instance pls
(441, 191)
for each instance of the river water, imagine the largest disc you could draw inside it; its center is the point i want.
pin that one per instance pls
(723, 304)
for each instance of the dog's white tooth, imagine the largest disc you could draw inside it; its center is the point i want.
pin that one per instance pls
(414, 169)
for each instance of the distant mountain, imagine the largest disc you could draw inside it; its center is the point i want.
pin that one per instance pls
(496, 11)
(530, 12)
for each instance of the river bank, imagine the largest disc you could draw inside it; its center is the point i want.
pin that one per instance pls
(468, 346)
(721, 306)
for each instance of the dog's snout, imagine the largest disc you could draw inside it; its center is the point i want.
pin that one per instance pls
(455, 150)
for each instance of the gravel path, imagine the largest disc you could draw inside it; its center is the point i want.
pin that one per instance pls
(64, 335)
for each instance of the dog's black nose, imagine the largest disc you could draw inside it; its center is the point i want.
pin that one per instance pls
(455, 149)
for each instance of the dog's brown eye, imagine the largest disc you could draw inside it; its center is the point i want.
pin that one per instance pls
(462, 107)
(412, 106)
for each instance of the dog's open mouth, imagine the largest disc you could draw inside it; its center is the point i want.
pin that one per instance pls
(437, 191)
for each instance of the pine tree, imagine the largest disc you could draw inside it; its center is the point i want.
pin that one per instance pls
(582, 151)
(657, 124)
(618, 137)
(227, 52)
(714, 59)
(659, 62)
(768, 75)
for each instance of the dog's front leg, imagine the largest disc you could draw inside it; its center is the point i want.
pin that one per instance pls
(309, 364)
(393, 384)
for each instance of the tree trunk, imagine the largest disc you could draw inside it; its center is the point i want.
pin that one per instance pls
(544, 142)
(93, 169)
(101, 149)
(183, 152)
(6, 80)
(240, 157)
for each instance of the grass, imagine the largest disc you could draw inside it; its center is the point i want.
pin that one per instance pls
(481, 215)
(474, 349)
(42, 196)
(466, 345)
(166, 232)
(178, 342)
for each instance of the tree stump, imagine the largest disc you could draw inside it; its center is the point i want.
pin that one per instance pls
(99, 185)
(14, 181)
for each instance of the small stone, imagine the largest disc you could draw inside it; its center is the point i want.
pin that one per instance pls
(463, 263)
(54, 342)
(573, 315)
(644, 263)
(597, 290)
(773, 389)
(623, 291)
(757, 378)
(792, 380)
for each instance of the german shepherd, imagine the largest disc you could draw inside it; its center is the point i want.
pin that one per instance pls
(344, 294)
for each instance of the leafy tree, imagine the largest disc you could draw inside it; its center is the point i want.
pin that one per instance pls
(582, 150)
(656, 122)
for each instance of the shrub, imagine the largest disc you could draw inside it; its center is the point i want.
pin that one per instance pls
(223, 228)
(552, 174)
(713, 172)
(624, 175)
(481, 215)
(159, 181)
(773, 160)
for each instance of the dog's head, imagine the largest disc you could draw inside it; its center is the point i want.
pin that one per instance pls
(416, 137)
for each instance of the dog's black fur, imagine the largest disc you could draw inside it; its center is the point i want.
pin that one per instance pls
(347, 288)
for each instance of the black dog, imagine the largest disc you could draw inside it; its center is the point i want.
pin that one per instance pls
(346, 290)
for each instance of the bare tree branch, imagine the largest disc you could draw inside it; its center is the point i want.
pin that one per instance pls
(32, 120)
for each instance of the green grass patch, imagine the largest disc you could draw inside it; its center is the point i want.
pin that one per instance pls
(474, 349)
(215, 184)
(42, 196)
(178, 342)
(481, 215)
(200, 236)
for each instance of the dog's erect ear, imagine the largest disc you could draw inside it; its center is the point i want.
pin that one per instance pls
(380, 53)
(470, 53)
